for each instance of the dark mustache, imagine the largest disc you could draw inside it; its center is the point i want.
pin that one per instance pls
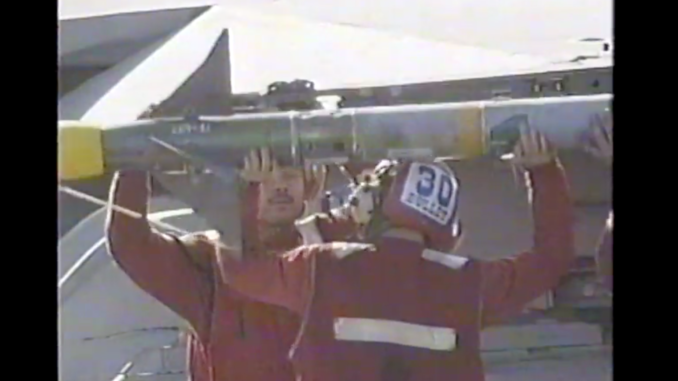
(281, 198)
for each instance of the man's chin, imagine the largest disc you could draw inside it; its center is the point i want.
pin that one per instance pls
(281, 215)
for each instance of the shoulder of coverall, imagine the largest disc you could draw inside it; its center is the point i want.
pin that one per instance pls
(200, 247)
(341, 250)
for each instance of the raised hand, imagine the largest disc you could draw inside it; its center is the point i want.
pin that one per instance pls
(259, 166)
(316, 182)
(532, 150)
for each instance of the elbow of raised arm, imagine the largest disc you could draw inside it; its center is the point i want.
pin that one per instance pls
(558, 249)
(124, 241)
(119, 248)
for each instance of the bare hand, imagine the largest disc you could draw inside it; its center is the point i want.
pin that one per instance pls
(259, 165)
(316, 182)
(532, 149)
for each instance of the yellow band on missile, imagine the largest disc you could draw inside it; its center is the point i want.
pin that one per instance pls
(80, 150)
(471, 138)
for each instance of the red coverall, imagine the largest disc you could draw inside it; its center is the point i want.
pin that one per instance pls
(604, 255)
(394, 282)
(234, 338)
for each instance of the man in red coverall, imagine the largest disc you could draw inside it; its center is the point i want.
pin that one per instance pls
(232, 338)
(601, 147)
(406, 309)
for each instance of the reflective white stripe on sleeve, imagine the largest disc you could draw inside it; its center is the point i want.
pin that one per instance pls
(454, 262)
(395, 332)
(342, 250)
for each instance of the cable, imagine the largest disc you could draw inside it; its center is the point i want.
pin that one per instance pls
(119, 209)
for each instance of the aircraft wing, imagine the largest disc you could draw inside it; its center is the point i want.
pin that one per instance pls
(266, 47)
(542, 28)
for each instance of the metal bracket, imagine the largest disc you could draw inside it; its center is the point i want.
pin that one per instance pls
(298, 94)
(505, 135)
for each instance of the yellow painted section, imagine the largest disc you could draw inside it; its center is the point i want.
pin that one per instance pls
(80, 150)
(471, 138)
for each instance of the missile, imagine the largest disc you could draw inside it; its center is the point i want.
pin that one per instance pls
(450, 130)
(196, 158)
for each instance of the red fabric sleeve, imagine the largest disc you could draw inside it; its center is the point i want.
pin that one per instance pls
(157, 262)
(604, 255)
(510, 283)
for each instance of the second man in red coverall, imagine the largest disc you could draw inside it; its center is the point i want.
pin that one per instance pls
(406, 309)
(232, 338)
(601, 146)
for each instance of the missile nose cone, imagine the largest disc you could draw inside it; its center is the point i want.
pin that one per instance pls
(80, 150)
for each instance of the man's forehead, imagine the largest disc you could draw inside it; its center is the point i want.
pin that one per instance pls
(285, 173)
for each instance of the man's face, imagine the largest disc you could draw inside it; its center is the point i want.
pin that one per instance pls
(281, 197)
